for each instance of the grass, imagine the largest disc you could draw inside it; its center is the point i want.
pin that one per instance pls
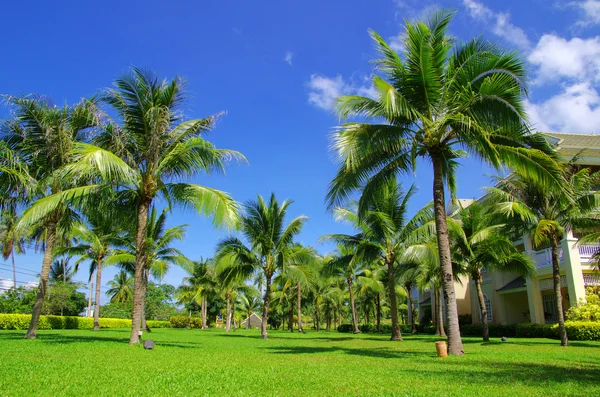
(195, 362)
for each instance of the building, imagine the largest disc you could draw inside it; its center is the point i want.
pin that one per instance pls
(511, 298)
(254, 320)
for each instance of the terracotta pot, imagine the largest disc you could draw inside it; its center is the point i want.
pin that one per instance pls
(442, 349)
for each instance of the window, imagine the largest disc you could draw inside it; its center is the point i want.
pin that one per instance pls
(549, 303)
(488, 308)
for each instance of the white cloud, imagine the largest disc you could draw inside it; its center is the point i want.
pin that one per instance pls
(557, 57)
(324, 91)
(576, 109)
(499, 23)
(590, 10)
(289, 56)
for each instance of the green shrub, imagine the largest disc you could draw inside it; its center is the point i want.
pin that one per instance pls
(21, 321)
(589, 311)
(579, 330)
(185, 322)
(536, 331)
(345, 328)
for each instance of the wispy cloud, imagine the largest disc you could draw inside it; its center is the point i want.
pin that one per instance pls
(289, 56)
(590, 10)
(499, 23)
(324, 91)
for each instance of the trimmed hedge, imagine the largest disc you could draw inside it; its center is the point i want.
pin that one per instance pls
(185, 322)
(21, 321)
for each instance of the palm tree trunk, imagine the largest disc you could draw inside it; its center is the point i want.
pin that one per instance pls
(328, 320)
(299, 308)
(43, 284)
(139, 293)
(204, 325)
(378, 308)
(291, 318)
(317, 319)
(335, 318)
(228, 313)
(564, 340)
(144, 322)
(353, 307)
(89, 309)
(439, 314)
(248, 320)
(97, 302)
(396, 335)
(483, 309)
(340, 318)
(455, 346)
(266, 301)
(411, 308)
(12, 256)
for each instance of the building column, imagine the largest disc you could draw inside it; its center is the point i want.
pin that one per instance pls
(534, 296)
(574, 274)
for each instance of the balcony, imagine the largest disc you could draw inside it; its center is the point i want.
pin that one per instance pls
(543, 258)
(586, 251)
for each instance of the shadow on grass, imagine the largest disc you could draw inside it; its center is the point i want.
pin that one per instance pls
(377, 353)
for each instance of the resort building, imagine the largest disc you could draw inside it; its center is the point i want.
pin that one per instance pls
(511, 298)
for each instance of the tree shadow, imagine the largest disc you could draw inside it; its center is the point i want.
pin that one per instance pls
(376, 353)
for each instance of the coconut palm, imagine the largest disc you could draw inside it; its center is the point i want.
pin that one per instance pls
(94, 243)
(486, 246)
(345, 264)
(159, 253)
(434, 98)
(12, 240)
(198, 286)
(120, 288)
(268, 242)
(250, 301)
(62, 270)
(35, 144)
(384, 232)
(547, 214)
(370, 288)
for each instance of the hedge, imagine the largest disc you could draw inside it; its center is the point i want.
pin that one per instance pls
(185, 322)
(21, 321)
(576, 330)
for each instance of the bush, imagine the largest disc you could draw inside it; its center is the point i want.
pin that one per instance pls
(185, 322)
(579, 330)
(21, 321)
(536, 331)
(589, 311)
(345, 328)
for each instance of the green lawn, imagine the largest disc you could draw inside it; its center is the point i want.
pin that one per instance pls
(195, 362)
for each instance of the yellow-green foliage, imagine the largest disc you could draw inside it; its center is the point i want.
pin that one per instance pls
(589, 311)
(185, 322)
(21, 321)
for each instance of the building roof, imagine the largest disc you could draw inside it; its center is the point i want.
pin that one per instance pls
(585, 145)
(517, 283)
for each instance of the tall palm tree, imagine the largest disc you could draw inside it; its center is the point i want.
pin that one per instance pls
(11, 239)
(94, 243)
(250, 301)
(120, 288)
(371, 287)
(434, 98)
(268, 240)
(35, 144)
(159, 254)
(62, 270)
(198, 286)
(547, 214)
(384, 232)
(346, 265)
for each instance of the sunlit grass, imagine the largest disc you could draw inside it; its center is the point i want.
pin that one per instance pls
(195, 362)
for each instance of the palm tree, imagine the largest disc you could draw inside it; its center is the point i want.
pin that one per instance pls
(346, 265)
(120, 288)
(159, 254)
(142, 156)
(11, 239)
(94, 243)
(370, 287)
(268, 242)
(485, 244)
(250, 301)
(434, 98)
(547, 214)
(384, 232)
(62, 271)
(198, 285)
(35, 145)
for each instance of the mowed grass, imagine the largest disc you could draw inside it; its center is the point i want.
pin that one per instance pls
(195, 362)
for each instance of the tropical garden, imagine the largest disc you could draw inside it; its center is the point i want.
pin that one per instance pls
(93, 185)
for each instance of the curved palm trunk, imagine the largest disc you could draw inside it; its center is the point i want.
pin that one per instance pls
(299, 308)
(564, 340)
(43, 285)
(353, 307)
(97, 302)
(139, 291)
(12, 256)
(204, 325)
(266, 301)
(378, 309)
(228, 313)
(483, 309)
(411, 308)
(396, 335)
(455, 346)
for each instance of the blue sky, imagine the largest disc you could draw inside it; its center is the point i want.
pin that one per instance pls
(275, 68)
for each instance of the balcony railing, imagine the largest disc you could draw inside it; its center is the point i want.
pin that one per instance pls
(543, 258)
(586, 251)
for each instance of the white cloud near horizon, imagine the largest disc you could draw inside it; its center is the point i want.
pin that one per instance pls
(499, 22)
(289, 56)
(324, 91)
